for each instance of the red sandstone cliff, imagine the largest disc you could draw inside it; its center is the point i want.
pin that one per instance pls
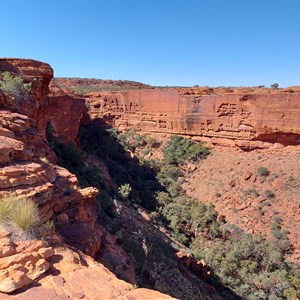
(28, 169)
(244, 118)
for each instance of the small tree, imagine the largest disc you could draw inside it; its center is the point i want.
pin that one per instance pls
(125, 190)
(274, 86)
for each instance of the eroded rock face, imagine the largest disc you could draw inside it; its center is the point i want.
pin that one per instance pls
(21, 262)
(37, 73)
(28, 169)
(73, 275)
(64, 113)
(27, 162)
(240, 118)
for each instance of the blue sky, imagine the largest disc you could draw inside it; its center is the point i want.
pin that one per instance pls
(215, 43)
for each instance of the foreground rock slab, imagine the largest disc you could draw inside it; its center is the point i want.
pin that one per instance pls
(21, 263)
(73, 275)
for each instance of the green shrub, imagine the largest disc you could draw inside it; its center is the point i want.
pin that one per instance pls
(152, 142)
(131, 140)
(14, 85)
(269, 194)
(25, 214)
(291, 178)
(5, 209)
(263, 171)
(266, 203)
(125, 190)
(255, 193)
(163, 198)
(180, 149)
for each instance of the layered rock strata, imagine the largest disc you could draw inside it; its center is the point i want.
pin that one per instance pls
(28, 170)
(247, 119)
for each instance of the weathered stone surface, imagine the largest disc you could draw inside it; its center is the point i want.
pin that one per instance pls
(76, 276)
(7, 247)
(26, 173)
(82, 236)
(116, 259)
(28, 170)
(21, 263)
(9, 148)
(250, 120)
(63, 112)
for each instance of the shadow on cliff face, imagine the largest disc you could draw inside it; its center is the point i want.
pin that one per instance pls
(284, 138)
(103, 162)
(97, 140)
(151, 250)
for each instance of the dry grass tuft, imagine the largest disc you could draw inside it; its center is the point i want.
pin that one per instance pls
(21, 218)
(25, 214)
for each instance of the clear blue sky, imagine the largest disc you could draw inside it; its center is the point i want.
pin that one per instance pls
(231, 43)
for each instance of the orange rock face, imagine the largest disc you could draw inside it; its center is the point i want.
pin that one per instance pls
(27, 162)
(74, 275)
(63, 112)
(22, 262)
(29, 170)
(69, 275)
(255, 119)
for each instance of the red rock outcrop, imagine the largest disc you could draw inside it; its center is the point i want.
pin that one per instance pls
(27, 162)
(36, 73)
(28, 170)
(73, 275)
(63, 112)
(67, 274)
(244, 118)
(21, 262)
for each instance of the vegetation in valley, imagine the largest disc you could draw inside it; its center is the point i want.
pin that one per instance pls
(253, 267)
(250, 265)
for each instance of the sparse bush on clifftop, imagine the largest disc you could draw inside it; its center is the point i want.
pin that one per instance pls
(274, 86)
(269, 194)
(14, 86)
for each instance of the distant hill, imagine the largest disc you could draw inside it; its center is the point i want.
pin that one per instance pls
(83, 86)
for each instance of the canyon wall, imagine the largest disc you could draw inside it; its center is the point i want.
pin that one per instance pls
(28, 170)
(256, 119)
(61, 267)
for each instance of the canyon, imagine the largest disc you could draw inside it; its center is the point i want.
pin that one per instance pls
(29, 170)
(62, 266)
(247, 128)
